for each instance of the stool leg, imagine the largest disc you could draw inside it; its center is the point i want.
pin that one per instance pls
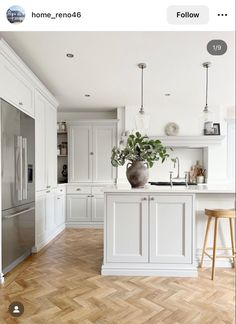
(231, 223)
(205, 240)
(214, 248)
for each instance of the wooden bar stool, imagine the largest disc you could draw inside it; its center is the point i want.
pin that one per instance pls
(218, 214)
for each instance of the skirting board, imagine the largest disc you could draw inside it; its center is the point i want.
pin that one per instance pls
(106, 271)
(84, 225)
(43, 243)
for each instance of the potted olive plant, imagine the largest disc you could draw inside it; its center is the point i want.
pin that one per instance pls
(141, 152)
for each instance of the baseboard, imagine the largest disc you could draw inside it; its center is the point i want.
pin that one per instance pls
(106, 271)
(84, 225)
(47, 240)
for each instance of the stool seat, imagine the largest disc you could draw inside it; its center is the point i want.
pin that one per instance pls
(218, 214)
(223, 213)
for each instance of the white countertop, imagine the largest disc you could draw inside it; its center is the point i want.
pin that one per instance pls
(201, 189)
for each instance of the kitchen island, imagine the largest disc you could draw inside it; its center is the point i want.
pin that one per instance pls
(160, 230)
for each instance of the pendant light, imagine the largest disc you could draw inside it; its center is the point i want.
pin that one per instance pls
(207, 115)
(142, 118)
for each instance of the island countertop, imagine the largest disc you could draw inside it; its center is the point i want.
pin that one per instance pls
(197, 189)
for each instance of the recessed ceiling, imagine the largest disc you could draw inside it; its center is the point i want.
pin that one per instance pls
(105, 67)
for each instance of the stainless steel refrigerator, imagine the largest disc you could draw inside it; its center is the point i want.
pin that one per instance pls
(18, 185)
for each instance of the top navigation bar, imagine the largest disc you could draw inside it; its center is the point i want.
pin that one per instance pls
(120, 15)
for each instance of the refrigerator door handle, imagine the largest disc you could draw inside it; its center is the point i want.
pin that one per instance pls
(19, 213)
(19, 168)
(25, 169)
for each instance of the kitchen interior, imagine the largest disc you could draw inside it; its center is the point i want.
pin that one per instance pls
(69, 99)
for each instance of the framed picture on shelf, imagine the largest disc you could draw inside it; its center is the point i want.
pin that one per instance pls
(216, 127)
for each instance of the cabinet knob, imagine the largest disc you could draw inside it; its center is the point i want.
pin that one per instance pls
(58, 198)
(91, 153)
(144, 198)
(48, 191)
(21, 103)
(78, 189)
(152, 198)
(48, 187)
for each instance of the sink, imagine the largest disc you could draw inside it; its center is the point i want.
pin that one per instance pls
(167, 183)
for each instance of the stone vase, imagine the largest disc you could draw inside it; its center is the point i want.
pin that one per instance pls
(137, 174)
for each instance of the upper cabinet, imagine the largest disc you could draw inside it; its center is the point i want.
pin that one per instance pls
(90, 145)
(46, 143)
(16, 88)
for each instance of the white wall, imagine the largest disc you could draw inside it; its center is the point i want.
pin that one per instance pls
(187, 116)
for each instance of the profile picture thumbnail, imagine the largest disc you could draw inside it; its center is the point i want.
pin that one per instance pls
(15, 14)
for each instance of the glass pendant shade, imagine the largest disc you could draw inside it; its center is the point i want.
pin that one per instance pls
(142, 122)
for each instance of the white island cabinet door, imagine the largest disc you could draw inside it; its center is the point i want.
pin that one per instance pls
(104, 137)
(171, 229)
(127, 229)
(80, 153)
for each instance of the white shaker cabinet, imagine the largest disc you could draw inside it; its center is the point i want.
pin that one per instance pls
(50, 216)
(90, 145)
(15, 87)
(78, 208)
(170, 229)
(85, 205)
(97, 208)
(60, 208)
(46, 143)
(149, 234)
(80, 153)
(104, 137)
(127, 229)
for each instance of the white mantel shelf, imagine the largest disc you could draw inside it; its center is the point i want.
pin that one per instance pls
(190, 141)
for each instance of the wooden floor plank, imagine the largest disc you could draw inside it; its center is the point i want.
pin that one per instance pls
(62, 284)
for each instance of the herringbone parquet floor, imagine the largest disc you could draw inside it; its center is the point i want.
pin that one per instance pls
(62, 284)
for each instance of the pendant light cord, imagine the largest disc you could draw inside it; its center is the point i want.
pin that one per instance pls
(141, 109)
(206, 87)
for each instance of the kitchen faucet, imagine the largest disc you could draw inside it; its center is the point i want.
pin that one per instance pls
(176, 160)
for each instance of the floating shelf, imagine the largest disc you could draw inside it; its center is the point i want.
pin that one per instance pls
(190, 141)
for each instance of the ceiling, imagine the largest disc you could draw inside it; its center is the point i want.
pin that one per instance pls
(105, 66)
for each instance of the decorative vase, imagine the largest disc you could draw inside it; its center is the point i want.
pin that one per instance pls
(137, 174)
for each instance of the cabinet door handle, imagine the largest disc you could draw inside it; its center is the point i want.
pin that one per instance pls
(91, 153)
(48, 187)
(144, 198)
(48, 191)
(78, 189)
(152, 198)
(21, 103)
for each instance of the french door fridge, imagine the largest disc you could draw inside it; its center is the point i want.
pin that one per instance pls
(18, 187)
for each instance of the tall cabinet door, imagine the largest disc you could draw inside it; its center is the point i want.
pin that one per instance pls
(80, 153)
(124, 245)
(104, 137)
(51, 145)
(171, 229)
(40, 140)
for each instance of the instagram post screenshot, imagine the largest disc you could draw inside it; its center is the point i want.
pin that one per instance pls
(117, 159)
